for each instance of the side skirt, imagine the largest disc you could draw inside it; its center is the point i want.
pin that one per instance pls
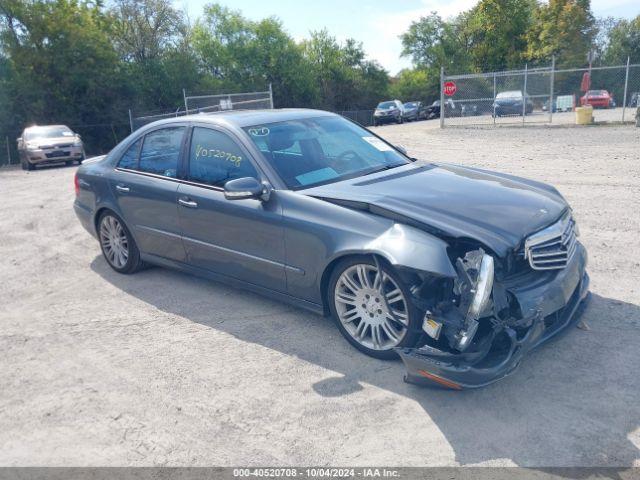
(234, 282)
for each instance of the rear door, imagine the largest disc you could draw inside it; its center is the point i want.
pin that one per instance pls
(146, 189)
(243, 239)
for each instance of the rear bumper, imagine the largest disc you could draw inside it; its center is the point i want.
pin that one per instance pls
(85, 215)
(596, 103)
(552, 308)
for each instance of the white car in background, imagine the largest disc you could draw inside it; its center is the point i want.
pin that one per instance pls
(49, 144)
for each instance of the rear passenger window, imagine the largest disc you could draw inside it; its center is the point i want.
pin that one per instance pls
(215, 158)
(130, 158)
(160, 151)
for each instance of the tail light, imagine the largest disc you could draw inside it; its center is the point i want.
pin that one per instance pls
(76, 184)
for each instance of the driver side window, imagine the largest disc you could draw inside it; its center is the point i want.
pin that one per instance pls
(214, 159)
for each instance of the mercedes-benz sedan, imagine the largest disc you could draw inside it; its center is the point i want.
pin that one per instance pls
(460, 271)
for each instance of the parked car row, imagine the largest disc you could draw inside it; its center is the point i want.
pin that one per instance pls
(394, 111)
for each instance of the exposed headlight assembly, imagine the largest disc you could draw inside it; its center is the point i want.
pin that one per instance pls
(474, 286)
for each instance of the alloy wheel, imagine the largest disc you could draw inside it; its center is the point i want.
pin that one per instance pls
(113, 239)
(371, 307)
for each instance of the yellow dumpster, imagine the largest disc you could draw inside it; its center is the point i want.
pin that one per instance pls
(584, 115)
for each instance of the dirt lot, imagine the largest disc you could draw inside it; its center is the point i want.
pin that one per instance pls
(161, 368)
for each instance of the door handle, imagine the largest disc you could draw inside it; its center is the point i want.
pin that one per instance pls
(122, 189)
(186, 202)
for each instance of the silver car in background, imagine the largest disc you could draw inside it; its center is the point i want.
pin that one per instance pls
(49, 144)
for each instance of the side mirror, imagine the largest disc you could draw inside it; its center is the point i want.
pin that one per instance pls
(401, 149)
(19, 139)
(246, 187)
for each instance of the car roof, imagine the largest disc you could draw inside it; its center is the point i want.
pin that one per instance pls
(247, 118)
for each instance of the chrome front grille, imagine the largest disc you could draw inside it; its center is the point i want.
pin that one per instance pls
(553, 247)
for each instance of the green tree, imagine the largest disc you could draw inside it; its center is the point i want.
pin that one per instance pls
(416, 84)
(497, 31)
(63, 67)
(562, 28)
(623, 41)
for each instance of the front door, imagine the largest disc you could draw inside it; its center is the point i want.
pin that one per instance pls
(146, 189)
(243, 239)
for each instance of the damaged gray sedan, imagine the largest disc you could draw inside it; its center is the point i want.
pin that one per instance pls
(459, 271)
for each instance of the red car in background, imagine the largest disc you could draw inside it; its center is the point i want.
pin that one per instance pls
(597, 98)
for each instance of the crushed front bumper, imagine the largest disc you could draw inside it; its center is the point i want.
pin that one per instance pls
(552, 306)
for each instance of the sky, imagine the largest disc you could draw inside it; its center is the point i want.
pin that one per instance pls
(377, 24)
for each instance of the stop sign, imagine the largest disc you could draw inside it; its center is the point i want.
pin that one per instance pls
(450, 88)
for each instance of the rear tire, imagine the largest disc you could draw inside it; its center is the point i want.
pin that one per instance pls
(355, 298)
(117, 244)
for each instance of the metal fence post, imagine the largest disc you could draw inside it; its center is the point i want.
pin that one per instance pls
(270, 96)
(524, 94)
(131, 120)
(553, 73)
(494, 98)
(441, 97)
(626, 84)
(184, 96)
(8, 151)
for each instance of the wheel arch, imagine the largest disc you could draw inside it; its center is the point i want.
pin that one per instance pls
(401, 247)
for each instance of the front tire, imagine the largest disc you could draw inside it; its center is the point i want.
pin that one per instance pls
(117, 244)
(368, 322)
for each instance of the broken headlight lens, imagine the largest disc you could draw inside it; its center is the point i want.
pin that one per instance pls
(483, 287)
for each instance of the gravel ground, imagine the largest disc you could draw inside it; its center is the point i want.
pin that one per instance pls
(161, 368)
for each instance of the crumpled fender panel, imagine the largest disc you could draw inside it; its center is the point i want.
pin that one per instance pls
(406, 246)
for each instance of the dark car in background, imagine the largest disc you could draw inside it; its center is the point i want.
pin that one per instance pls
(458, 270)
(634, 100)
(451, 109)
(598, 99)
(414, 111)
(39, 145)
(391, 111)
(511, 103)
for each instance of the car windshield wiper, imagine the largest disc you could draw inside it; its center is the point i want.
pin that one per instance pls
(380, 169)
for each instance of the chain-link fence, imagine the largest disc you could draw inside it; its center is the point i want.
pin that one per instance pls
(540, 95)
(208, 104)
(363, 117)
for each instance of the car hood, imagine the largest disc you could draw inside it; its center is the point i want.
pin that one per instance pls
(497, 210)
(44, 142)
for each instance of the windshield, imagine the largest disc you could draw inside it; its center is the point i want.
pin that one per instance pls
(386, 105)
(597, 92)
(321, 150)
(411, 104)
(514, 94)
(47, 132)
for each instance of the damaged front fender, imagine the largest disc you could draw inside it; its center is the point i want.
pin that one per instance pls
(409, 247)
